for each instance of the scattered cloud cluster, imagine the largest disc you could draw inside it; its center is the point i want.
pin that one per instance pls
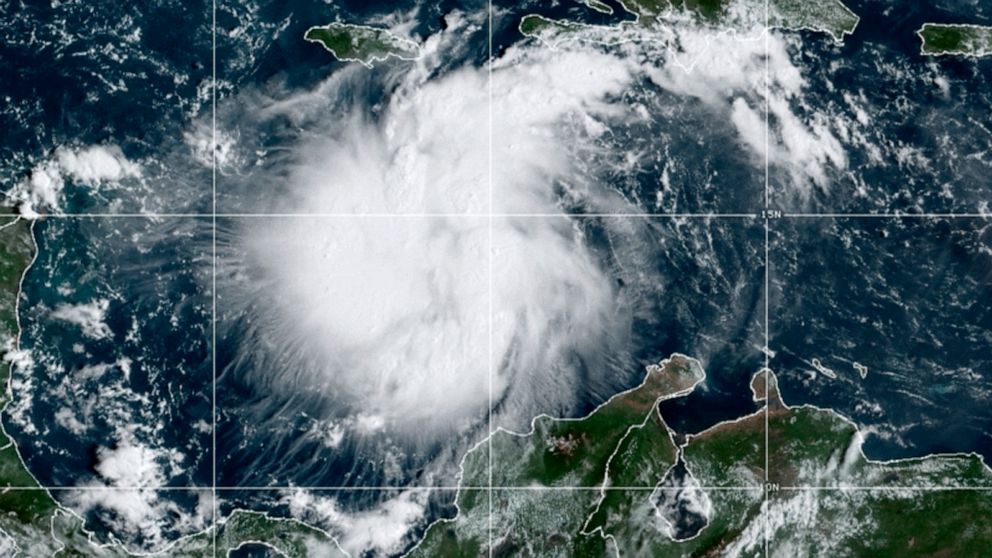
(382, 530)
(91, 166)
(89, 317)
(751, 78)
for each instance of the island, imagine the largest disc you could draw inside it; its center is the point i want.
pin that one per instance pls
(654, 19)
(955, 39)
(362, 44)
(599, 6)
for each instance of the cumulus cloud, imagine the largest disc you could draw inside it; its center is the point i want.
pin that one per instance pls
(730, 69)
(383, 530)
(147, 520)
(130, 464)
(745, 67)
(749, 124)
(89, 317)
(680, 495)
(94, 164)
(133, 460)
(89, 166)
(132, 470)
(8, 546)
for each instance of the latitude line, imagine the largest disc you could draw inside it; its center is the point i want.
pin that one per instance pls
(399, 215)
(742, 216)
(521, 488)
(951, 215)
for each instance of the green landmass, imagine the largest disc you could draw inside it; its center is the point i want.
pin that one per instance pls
(584, 488)
(711, 10)
(287, 537)
(623, 441)
(25, 515)
(537, 25)
(960, 40)
(826, 16)
(655, 20)
(362, 44)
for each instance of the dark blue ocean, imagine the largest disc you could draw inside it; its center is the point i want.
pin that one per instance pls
(910, 298)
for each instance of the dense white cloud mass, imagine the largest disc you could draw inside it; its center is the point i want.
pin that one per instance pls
(144, 515)
(383, 295)
(378, 286)
(670, 504)
(397, 311)
(421, 265)
(95, 163)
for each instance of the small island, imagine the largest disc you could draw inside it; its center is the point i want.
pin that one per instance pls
(599, 6)
(362, 44)
(955, 40)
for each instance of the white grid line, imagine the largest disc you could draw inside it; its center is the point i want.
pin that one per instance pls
(213, 289)
(893, 215)
(767, 223)
(489, 356)
(703, 216)
(399, 215)
(214, 215)
(486, 487)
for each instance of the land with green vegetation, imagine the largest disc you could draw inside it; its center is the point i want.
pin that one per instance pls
(25, 515)
(362, 44)
(287, 537)
(957, 40)
(655, 20)
(623, 442)
(590, 487)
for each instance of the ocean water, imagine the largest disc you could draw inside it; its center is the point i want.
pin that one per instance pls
(908, 298)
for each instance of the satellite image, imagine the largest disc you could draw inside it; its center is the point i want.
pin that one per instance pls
(549, 278)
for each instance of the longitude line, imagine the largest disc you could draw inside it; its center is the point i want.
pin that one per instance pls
(489, 352)
(767, 32)
(213, 288)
